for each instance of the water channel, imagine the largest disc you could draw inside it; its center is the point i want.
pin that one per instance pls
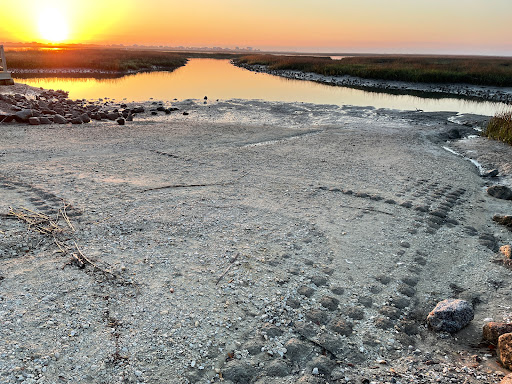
(218, 79)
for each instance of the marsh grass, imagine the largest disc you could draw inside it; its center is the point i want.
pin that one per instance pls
(493, 71)
(112, 60)
(500, 127)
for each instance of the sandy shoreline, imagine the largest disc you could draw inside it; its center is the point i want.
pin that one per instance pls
(252, 241)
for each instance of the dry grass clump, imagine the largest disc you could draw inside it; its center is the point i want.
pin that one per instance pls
(500, 127)
(493, 71)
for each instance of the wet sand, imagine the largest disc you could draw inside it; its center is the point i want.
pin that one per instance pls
(251, 241)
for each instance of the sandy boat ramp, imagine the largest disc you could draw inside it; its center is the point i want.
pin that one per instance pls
(248, 242)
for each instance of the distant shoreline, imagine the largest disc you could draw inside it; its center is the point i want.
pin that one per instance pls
(80, 73)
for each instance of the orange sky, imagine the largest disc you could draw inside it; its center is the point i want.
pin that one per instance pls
(414, 26)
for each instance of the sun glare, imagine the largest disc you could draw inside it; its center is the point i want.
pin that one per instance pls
(53, 26)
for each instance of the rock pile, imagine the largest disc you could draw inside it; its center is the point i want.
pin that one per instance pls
(55, 107)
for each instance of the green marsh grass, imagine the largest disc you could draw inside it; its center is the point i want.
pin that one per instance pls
(500, 127)
(492, 71)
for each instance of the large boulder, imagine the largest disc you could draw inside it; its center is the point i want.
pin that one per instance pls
(504, 220)
(23, 115)
(450, 315)
(85, 118)
(34, 121)
(59, 119)
(500, 192)
(505, 350)
(492, 331)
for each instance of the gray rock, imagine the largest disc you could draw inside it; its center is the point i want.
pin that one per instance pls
(383, 323)
(341, 326)
(44, 120)
(323, 364)
(112, 115)
(306, 291)
(293, 303)
(330, 303)
(332, 343)
(317, 316)
(34, 121)
(277, 368)
(238, 372)
(450, 315)
(59, 119)
(298, 350)
(253, 346)
(405, 244)
(271, 330)
(383, 279)
(306, 329)
(503, 220)
(23, 115)
(391, 312)
(411, 280)
(491, 173)
(366, 301)
(319, 280)
(76, 120)
(338, 290)
(500, 192)
(355, 313)
(401, 302)
(406, 290)
(310, 379)
(85, 118)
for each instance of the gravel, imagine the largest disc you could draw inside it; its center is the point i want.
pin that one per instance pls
(248, 241)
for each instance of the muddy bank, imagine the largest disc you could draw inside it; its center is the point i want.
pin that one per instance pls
(248, 241)
(467, 91)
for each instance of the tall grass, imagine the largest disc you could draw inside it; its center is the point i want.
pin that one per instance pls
(493, 71)
(500, 127)
(114, 60)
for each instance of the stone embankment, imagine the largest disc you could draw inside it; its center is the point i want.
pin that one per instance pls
(485, 93)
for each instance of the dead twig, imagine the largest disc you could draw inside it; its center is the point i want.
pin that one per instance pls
(45, 225)
(85, 260)
(64, 214)
(36, 221)
(227, 269)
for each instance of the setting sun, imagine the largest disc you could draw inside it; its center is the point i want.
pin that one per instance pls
(53, 26)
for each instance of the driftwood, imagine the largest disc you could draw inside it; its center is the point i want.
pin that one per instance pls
(45, 225)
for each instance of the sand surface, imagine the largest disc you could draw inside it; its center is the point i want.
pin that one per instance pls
(231, 230)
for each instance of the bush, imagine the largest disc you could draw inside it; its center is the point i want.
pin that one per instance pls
(500, 127)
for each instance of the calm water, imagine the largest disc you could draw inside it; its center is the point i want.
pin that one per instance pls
(218, 79)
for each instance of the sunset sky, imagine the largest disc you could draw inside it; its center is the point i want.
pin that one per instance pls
(390, 26)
